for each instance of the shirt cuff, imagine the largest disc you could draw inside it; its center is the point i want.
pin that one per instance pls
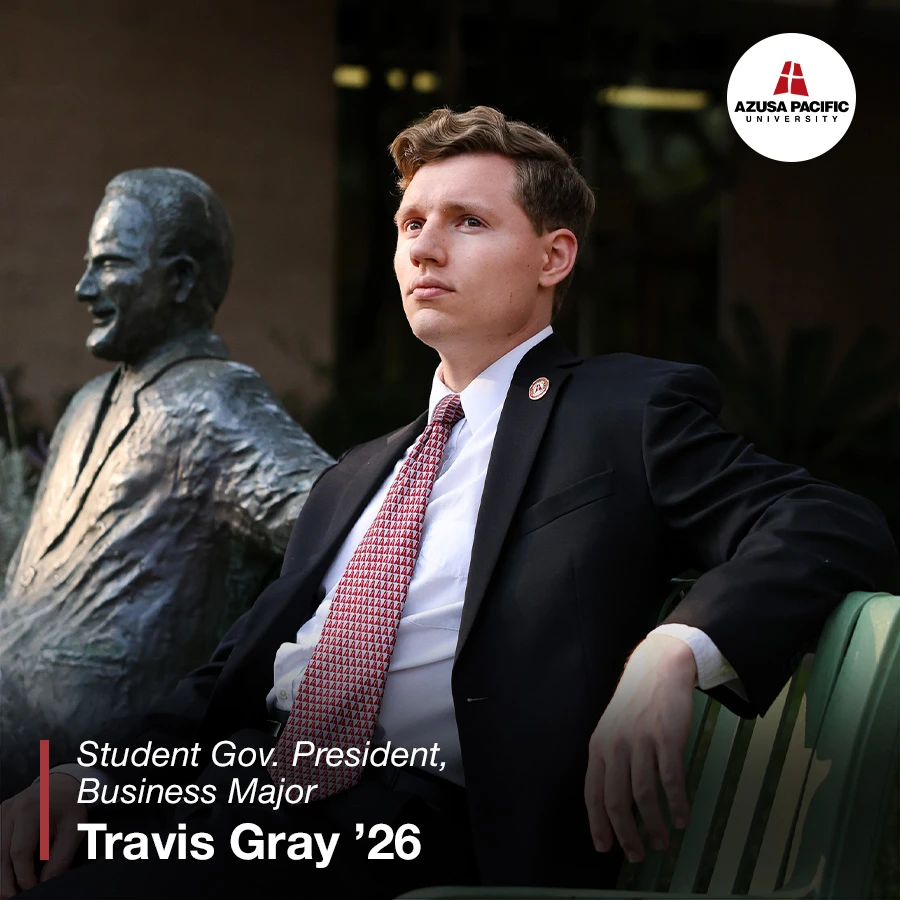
(712, 667)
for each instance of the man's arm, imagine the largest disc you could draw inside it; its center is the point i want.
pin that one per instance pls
(781, 550)
(638, 743)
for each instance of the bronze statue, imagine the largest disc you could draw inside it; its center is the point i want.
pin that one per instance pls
(170, 490)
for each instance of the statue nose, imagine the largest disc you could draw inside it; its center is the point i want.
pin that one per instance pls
(87, 286)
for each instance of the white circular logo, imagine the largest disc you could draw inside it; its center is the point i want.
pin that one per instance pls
(791, 97)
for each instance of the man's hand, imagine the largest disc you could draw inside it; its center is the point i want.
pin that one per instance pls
(640, 742)
(20, 834)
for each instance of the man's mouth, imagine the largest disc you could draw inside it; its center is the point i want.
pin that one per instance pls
(429, 293)
(428, 289)
(102, 315)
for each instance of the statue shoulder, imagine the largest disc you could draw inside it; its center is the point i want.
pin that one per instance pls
(226, 402)
(192, 385)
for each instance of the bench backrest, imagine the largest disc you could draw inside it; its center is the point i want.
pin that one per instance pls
(794, 802)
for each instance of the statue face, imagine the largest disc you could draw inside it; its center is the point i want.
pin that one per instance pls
(124, 284)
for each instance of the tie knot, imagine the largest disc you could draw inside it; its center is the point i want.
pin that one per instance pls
(448, 412)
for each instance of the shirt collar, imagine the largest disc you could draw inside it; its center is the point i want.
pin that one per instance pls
(487, 391)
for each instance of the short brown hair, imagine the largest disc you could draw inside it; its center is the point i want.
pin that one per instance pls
(549, 188)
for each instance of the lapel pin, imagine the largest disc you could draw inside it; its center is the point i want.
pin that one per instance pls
(538, 388)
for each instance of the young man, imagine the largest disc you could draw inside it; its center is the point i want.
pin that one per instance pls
(510, 550)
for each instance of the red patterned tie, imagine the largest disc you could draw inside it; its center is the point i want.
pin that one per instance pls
(339, 697)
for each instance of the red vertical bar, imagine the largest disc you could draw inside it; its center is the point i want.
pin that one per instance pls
(45, 800)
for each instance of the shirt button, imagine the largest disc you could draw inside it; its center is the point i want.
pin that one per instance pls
(282, 694)
(27, 576)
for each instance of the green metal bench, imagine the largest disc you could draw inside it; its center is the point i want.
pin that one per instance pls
(788, 805)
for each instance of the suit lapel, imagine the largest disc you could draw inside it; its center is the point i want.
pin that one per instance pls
(120, 416)
(109, 427)
(55, 509)
(519, 433)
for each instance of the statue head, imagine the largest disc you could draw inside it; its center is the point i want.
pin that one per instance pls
(159, 261)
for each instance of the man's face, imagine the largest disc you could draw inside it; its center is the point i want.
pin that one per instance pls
(124, 283)
(468, 260)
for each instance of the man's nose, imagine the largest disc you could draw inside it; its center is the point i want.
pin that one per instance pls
(429, 246)
(87, 288)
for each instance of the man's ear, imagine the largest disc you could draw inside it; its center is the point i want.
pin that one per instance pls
(181, 277)
(560, 251)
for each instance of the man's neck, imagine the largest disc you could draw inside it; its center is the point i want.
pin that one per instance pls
(185, 342)
(459, 370)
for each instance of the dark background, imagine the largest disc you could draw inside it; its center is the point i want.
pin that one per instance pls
(782, 277)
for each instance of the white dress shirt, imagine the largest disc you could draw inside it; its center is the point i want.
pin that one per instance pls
(417, 707)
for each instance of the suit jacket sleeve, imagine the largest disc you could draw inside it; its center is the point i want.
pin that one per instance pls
(780, 548)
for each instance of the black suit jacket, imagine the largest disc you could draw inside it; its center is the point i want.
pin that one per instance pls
(596, 494)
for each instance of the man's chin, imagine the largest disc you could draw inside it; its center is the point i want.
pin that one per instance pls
(431, 327)
(102, 343)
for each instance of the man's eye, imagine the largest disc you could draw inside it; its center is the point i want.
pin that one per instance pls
(472, 222)
(412, 225)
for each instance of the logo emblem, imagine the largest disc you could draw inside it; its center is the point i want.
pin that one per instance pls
(809, 110)
(538, 388)
(797, 82)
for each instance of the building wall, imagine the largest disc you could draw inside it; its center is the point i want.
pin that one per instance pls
(238, 93)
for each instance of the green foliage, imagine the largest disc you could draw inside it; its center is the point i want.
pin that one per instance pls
(15, 501)
(16, 408)
(15, 484)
